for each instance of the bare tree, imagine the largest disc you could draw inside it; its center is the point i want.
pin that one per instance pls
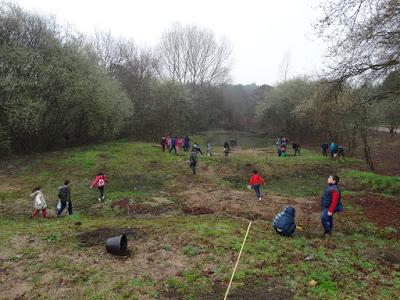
(364, 38)
(284, 67)
(191, 55)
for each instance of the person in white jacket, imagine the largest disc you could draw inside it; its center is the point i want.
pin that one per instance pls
(39, 202)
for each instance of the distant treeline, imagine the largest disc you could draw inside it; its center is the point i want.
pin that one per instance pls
(60, 88)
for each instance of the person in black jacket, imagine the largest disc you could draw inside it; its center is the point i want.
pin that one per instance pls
(64, 194)
(296, 148)
(226, 148)
(193, 160)
(284, 222)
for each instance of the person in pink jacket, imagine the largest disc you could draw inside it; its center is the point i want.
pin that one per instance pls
(100, 181)
(179, 143)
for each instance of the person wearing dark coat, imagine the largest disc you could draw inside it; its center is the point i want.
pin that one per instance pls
(284, 222)
(331, 202)
(296, 148)
(324, 148)
(64, 194)
(226, 148)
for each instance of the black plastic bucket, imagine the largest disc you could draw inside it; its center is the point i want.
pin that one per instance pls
(117, 245)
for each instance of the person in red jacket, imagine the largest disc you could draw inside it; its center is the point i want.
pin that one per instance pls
(255, 182)
(100, 181)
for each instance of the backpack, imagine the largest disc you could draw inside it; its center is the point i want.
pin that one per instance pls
(193, 158)
(63, 194)
(101, 182)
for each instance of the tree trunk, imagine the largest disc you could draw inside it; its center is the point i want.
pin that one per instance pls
(367, 152)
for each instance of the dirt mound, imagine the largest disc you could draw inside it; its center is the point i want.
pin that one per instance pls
(100, 235)
(382, 211)
(141, 209)
(197, 210)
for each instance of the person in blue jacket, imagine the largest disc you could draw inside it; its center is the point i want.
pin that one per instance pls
(284, 222)
(332, 149)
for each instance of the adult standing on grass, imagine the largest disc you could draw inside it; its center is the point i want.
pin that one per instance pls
(100, 181)
(330, 203)
(255, 182)
(39, 202)
(64, 194)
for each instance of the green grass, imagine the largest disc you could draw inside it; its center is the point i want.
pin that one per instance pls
(197, 253)
(389, 185)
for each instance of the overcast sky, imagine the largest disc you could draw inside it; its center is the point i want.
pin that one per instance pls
(262, 32)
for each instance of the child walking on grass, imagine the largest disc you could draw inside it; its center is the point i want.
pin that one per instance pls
(255, 182)
(64, 195)
(39, 202)
(100, 181)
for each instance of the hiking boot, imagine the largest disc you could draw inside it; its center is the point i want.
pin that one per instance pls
(259, 199)
(99, 200)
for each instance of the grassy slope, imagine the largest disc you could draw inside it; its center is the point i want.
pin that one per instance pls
(44, 258)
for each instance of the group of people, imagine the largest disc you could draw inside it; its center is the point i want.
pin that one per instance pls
(64, 196)
(175, 143)
(281, 146)
(284, 222)
(334, 150)
(193, 157)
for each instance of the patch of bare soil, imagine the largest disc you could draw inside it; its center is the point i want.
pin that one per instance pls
(382, 211)
(253, 288)
(142, 209)
(197, 194)
(196, 210)
(100, 235)
(208, 198)
(388, 256)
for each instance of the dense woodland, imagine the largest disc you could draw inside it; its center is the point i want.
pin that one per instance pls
(60, 88)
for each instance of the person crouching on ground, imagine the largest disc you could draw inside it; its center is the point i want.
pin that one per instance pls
(39, 202)
(64, 194)
(100, 181)
(330, 203)
(284, 222)
(255, 182)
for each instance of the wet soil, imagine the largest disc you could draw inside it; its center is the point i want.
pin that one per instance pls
(384, 212)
